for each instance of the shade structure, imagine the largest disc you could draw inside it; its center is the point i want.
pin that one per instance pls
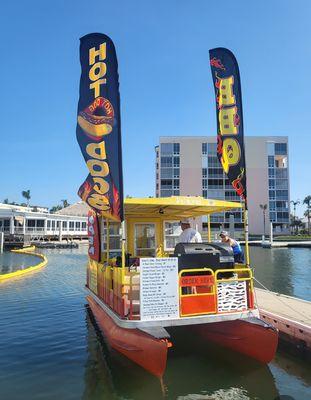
(176, 207)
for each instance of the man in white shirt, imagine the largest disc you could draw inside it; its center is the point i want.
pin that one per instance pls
(188, 234)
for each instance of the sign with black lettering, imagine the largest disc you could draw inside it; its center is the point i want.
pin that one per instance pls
(159, 297)
(99, 127)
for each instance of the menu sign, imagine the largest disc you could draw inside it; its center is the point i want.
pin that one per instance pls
(159, 289)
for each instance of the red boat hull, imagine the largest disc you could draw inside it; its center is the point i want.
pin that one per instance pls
(255, 339)
(145, 350)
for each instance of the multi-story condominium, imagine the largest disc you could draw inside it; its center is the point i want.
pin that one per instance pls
(188, 165)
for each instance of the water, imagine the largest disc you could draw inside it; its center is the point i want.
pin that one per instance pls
(10, 262)
(283, 270)
(50, 349)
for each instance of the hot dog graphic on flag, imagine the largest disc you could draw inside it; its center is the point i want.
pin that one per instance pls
(99, 126)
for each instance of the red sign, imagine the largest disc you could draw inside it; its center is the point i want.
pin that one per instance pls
(93, 234)
(197, 280)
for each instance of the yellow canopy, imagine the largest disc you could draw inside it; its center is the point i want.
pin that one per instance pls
(176, 207)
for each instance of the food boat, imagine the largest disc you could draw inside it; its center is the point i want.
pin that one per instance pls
(142, 284)
(147, 285)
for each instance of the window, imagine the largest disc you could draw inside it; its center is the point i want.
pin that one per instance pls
(166, 162)
(166, 193)
(215, 183)
(48, 224)
(78, 224)
(204, 194)
(204, 148)
(272, 205)
(281, 173)
(166, 148)
(204, 172)
(212, 148)
(166, 173)
(31, 223)
(176, 148)
(272, 194)
(271, 173)
(271, 184)
(166, 183)
(216, 172)
(57, 224)
(176, 162)
(83, 226)
(176, 183)
(282, 194)
(114, 238)
(64, 224)
(281, 183)
(145, 244)
(280, 148)
(272, 216)
(271, 161)
(270, 147)
(53, 225)
(40, 223)
(172, 230)
(71, 225)
(176, 173)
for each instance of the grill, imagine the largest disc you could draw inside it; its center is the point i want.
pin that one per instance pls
(200, 255)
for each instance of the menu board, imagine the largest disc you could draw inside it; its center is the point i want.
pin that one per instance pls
(159, 297)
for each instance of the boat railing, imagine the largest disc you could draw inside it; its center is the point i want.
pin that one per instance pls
(202, 291)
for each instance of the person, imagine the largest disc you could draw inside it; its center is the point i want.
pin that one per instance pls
(188, 234)
(236, 247)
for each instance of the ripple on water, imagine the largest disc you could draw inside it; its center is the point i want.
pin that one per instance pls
(51, 350)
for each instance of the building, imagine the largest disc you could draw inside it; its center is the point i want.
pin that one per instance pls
(20, 221)
(188, 165)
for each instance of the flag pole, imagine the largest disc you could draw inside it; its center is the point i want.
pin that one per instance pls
(245, 212)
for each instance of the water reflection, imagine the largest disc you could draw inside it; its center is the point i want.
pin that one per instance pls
(195, 370)
(50, 350)
(10, 262)
(283, 270)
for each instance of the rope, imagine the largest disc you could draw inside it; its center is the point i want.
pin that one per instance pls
(280, 300)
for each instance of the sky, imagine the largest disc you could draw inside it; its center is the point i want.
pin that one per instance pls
(165, 84)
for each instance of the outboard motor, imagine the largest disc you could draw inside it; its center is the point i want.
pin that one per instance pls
(200, 255)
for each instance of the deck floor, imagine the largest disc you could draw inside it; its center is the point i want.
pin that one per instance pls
(285, 306)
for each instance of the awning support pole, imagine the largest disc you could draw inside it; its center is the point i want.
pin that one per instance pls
(209, 227)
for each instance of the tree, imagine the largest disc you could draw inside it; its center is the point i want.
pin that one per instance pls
(55, 208)
(264, 208)
(65, 203)
(307, 201)
(295, 223)
(26, 194)
(6, 201)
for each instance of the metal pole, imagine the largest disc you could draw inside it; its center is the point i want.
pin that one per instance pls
(123, 238)
(264, 224)
(208, 227)
(107, 236)
(245, 211)
(1, 242)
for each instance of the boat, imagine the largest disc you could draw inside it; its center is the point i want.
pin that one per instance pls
(142, 289)
(142, 284)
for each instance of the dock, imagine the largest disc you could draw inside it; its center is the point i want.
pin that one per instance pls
(290, 315)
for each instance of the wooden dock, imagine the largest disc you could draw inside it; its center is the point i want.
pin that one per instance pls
(291, 316)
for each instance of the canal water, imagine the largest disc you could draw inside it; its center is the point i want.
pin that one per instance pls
(10, 262)
(51, 350)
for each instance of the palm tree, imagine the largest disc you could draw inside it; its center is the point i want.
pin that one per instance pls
(264, 208)
(26, 194)
(307, 201)
(295, 203)
(65, 203)
(55, 208)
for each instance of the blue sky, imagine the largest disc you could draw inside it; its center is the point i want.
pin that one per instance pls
(165, 83)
